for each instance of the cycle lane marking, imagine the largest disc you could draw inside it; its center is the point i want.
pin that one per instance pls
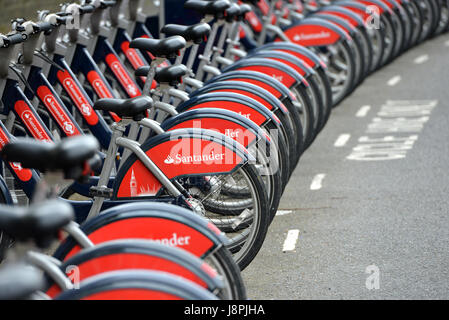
(283, 212)
(363, 111)
(317, 182)
(342, 140)
(291, 240)
(394, 81)
(393, 131)
(421, 59)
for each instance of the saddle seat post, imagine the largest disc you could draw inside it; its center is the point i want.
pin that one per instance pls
(205, 57)
(102, 190)
(194, 49)
(267, 21)
(149, 82)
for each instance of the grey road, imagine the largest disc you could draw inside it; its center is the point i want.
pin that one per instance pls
(370, 197)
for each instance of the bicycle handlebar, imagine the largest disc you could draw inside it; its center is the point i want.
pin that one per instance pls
(86, 9)
(44, 27)
(10, 40)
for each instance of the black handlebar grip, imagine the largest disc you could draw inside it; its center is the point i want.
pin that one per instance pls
(15, 39)
(244, 9)
(87, 9)
(108, 3)
(63, 14)
(45, 27)
(253, 2)
(62, 19)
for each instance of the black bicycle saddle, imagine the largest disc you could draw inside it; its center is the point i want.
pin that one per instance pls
(39, 222)
(196, 33)
(171, 75)
(69, 155)
(244, 9)
(19, 281)
(253, 2)
(167, 48)
(232, 12)
(129, 108)
(215, 8)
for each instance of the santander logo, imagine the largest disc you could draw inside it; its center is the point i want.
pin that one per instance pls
(178, 159)
(169, 160)
(134, 58)
(231, 133)
(59, 114)
(70, 85)
(174, 240)
(68, 128)
(23, 174)
(310, 36)
(101, 89)
(246, 115)
(33, 126)
(78, 98)
(278, 78)
(121, 74)
(132, 89)
(253, 20)
(86, 109)
(16, 166)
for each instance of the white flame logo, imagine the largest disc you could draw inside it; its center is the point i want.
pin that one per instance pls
(17, 166)
(169, 160)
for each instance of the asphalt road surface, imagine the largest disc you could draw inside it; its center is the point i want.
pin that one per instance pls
(365, 214)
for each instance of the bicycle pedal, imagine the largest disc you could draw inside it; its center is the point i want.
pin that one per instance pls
(101, 192)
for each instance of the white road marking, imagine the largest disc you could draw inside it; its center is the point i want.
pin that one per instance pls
(421, 59)
(342, 140)
(291, 240)
(363, 111)
(317, 181)
(394, 81)
(446, 43)
(283, 212)
(393, 121)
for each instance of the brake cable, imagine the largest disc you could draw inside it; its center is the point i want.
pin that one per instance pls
(40, 54)
(19, 73)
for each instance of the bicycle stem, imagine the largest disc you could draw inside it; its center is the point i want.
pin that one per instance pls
(117, 131)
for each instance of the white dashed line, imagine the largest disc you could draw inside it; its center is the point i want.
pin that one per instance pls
(421, 59)
(291, 240)
(394, 81)
(342, 140)
(316, 182)
(363, 111)
(283, 212)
